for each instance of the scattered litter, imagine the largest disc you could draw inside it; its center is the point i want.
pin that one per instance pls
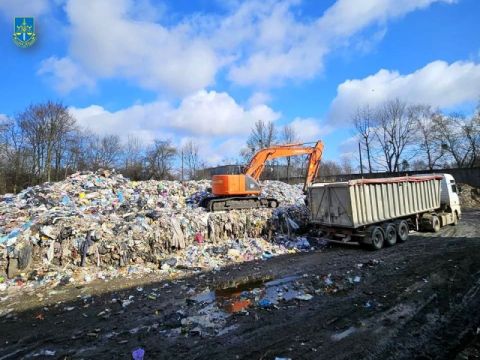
(127, 302)
(344, 334)
(138, 354)
(328, 280)
(45, 353)
(305, 297)
(265, 303)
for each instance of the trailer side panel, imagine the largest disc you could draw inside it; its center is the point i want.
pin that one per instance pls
(363, 202)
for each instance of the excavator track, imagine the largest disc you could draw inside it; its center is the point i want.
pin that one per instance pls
(243, 202)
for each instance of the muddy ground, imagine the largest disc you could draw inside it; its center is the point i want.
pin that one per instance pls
(417, 300)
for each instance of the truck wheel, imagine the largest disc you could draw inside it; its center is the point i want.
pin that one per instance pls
(435, 224)
(390, 235)
(402, 231)
(377, 237)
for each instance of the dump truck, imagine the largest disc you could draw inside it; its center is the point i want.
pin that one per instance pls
(381, 212)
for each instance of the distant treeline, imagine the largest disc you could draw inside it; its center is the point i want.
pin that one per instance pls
(45, 143)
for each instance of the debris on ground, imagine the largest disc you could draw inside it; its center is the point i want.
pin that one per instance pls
(138, 354)
(94, 224)
(469, 196)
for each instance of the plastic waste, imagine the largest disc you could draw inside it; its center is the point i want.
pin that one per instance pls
(66, 200)
(120, 196)
(138, 225)
(267, 255)
(304, 297)
(199, 238)
(328, 280)
(265, 303)
(138, 354)
(12, 235)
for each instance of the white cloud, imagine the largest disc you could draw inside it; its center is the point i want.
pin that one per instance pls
(11, 9)
(203, 114)
(347, 17)
(273, 45)
(224, 152)
(64, 74)
(217, 114)
(109, 41)
(258, 98)
(282, 47)
(215, 121)
(438, 84)
(258, 42)
(349, 145)
(310, 129)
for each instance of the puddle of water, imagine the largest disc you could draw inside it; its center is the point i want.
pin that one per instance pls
(241, 297)
(208, 311)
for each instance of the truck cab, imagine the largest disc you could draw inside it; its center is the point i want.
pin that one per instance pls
(449, 199)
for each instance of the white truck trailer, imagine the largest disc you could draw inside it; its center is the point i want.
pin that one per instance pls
(380, 212)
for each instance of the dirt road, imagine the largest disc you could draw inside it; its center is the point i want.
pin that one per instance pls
(419, 300)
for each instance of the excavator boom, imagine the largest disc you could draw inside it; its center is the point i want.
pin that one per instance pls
(257, 163)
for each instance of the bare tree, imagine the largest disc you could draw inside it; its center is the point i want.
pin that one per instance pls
(45, 126)
(191, 158)
(471, 130)
(459, 137)
(77, 153)
(133, 157)
(364, 120)
(418, 165)
(160, 158)
(346, 165)
(263, 134)
(105, 151)
(289, 136)
(395, 132)
(330, 168)
(429, 142)
(15, 157)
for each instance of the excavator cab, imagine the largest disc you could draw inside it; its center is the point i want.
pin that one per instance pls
(235, 185)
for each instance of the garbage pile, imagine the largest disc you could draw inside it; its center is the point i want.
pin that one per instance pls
(103, 219)
(469, 196)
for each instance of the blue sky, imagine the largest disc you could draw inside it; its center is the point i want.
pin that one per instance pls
(207, 70)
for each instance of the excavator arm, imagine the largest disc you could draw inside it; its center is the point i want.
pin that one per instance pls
(257, 163)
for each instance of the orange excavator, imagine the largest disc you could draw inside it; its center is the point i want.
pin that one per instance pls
(243, 191)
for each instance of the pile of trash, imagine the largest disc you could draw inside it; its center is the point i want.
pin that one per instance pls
(105, 220)
(469, 196)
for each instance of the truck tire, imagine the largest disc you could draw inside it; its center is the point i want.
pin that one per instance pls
(402, 230)
(390, 234)
(435, 224)
(377, 238)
